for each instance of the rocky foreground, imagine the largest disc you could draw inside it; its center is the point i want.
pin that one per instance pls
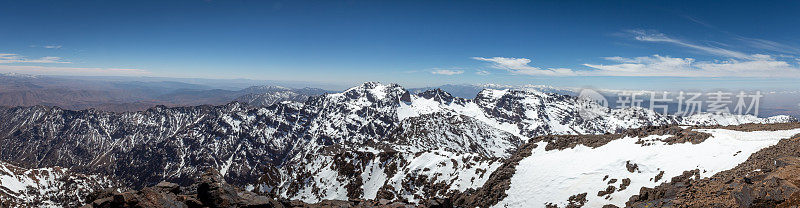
(211, 190)
(769, 178)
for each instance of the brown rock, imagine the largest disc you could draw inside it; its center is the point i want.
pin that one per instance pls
(625, 183)
(169, 187)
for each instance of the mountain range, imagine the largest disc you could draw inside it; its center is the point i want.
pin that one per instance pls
(373, 141)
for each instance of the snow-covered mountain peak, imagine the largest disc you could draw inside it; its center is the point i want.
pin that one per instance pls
(441, 96)
(506, 97)
(373, 90)
(371, 86)
(492, 93)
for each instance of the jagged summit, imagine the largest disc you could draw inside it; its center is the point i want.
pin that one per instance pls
(371, 86)
(374, 91)
(441, 96)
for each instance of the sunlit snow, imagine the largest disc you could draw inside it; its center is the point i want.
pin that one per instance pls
(553, 176)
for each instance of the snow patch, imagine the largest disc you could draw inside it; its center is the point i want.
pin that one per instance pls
(553, 176)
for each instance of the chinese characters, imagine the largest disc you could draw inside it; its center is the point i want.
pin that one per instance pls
(690, 103)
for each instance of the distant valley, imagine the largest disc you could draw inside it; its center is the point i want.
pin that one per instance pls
(132, 95)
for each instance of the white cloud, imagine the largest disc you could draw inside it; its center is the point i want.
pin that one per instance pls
(695, 20)
(656, 65)
(650, 36)
(733, 63)
(8, 58)
(48, 70)
(482, 72)
(520, 66)
(46, 46)
(509, 63)
(769, 45)
(648, 64)
(736, 64)
(447, 72)
(758, 65)
(11, 58)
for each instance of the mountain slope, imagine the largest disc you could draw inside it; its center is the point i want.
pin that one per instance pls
(268, 95)
(46, 187)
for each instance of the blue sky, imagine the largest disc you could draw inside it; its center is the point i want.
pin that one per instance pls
(620, 44)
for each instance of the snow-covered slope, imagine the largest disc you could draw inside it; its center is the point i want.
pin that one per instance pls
(46, 187)
(385, 175)
(604, 175)
(453, 133)
(708, 119)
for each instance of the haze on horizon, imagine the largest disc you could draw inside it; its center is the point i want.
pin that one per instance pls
(617, 45)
